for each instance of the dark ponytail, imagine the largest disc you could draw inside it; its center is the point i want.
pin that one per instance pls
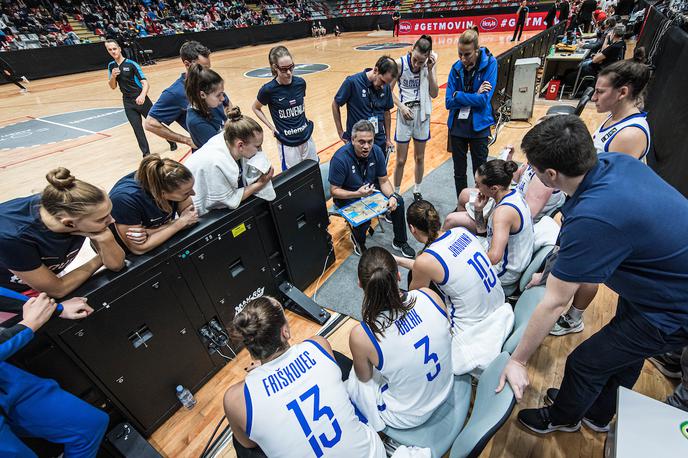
(378, 274)
(423, 44)
(498, 172)
(259, 327)
(422, 215)
(200, 79)
(629, 73)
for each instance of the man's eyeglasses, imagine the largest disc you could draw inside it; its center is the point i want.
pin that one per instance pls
(288, 68)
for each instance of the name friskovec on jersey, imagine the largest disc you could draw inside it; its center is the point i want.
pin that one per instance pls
(284, 376)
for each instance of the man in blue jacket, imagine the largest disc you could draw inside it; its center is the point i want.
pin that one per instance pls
(469, 93)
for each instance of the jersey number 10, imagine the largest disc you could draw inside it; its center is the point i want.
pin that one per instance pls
(484, 270)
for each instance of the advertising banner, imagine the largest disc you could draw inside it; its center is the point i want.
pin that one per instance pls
(487, 23)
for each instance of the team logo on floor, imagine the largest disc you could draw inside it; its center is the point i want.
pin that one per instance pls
(299, 70)
(381, 46)
(35, 132)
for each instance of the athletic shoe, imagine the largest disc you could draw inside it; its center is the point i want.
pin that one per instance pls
(405, 249)
(538, 421)
(25, 80)
(358, 250)
(388, 217)
(567, 325)
(417, 196)
(551, 395)
(23, 90)
(667, 366)
(173, 146)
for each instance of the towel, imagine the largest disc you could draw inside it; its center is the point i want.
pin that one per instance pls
(425, 99)
(546, 232)
(412, 452)
(253, 169)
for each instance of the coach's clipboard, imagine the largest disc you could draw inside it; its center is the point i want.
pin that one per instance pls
(364, 209)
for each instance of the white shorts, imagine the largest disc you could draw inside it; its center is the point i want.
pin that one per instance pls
(413, 128)
(292, 155)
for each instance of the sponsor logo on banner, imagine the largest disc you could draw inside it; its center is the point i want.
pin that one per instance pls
(489, 23)
(492, 23)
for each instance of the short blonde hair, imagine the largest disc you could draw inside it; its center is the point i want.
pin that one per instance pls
(469, 37)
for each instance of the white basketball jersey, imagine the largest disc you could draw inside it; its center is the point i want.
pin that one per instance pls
(519, 249)
(556, 200)
(470, 287)
(297, 406)
(603, 136)
(414, 357)
(409, 82)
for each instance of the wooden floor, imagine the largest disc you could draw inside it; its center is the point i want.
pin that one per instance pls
(104, 160)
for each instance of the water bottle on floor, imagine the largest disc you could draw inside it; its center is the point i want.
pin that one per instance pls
(185, 397)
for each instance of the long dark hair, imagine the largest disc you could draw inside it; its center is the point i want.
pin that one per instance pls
(497, 172)
(200, 79)
(378, 274)
(422, 215)
(259, 327)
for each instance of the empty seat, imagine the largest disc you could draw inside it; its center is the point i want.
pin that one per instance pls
(568, 109)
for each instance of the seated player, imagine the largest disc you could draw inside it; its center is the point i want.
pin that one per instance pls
(205, 90)
(41, 234)
(217, 166)
(357, 170)
(36, 407)
(541, 199)
(294, 404)
(617, 91)
(401, 349)
(509, 227)
(145, 204)
(455, 264)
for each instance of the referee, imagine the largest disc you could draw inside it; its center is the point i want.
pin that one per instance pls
(128, 75)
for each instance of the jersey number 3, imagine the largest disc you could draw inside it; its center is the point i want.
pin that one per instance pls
(429, 357)
(321, 441)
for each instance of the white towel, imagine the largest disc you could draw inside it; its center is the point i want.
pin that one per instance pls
(476, 347)
(546, 232)
(253, 169)
(425, 99)
(412, 452)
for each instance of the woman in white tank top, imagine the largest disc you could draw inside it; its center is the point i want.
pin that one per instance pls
(294, 403)
(401, 349)
(455, 264)
(617, 90)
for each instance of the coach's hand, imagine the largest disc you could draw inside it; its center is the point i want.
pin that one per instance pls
(517, 375)
(406, 112)
(187, 141)
(37, 311)
(366, 190)
(392, 204)
(140, 99)
(485, 87)
(341, 136)
(75, 308)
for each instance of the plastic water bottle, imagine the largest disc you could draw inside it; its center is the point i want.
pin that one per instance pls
(185, 397)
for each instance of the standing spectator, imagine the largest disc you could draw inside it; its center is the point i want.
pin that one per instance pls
(396, 16)
(564, 10)
(585, 14)
(469, 92)
(551, 14)
(521, 18)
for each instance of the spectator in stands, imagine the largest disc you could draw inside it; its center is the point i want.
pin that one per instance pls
(367, 95)
(396, 17)
(152, 204)
(219, 166)
(357, 170)
(564, 10)
(469, 93)
(521, 18)
(551, 17)
(601, 243)
(607, 56)
(605, 32)
(205, 91)
(585, 14)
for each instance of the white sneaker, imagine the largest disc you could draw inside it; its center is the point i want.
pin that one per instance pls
(567, 325)
(25, 80)
(23, 90)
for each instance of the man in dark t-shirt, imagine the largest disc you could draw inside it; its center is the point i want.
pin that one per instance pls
(521, 18)
(612, 53)
(396, 16)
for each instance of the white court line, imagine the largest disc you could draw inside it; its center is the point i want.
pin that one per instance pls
(65, 125)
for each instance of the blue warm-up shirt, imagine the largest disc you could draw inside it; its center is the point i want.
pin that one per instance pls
(288, 110)
(350, 172)
(202, 129)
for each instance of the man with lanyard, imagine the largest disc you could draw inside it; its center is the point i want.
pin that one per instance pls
(602, 242)
(172, 103)
(36, 407)
(134, 86)
(367, 95)
(357, 170)
(469, 93)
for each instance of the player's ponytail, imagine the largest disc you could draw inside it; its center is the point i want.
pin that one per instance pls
(275, 54)
(422, 215)
(66, 195)
(631, 73)
(498, 172)
(158, 176)
(259, 327)
(423, 45)
(378, 274)
(200, 79)
(240, 127)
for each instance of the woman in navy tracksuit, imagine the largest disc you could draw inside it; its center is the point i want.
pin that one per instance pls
(471, 84)
(31, 406)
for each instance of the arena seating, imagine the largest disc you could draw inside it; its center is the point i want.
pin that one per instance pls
(366, 7)
(428, 6)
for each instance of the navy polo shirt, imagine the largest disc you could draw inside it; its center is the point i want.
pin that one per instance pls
(288, 110)
(26, 243)
(172, 104)
(626, 227)
(202, 129)
(363, 101)
(350, 172)
(132, 205)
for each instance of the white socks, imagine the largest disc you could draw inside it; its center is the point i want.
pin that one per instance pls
(575, 314)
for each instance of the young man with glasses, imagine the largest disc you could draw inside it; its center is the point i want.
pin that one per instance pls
(285, 98)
